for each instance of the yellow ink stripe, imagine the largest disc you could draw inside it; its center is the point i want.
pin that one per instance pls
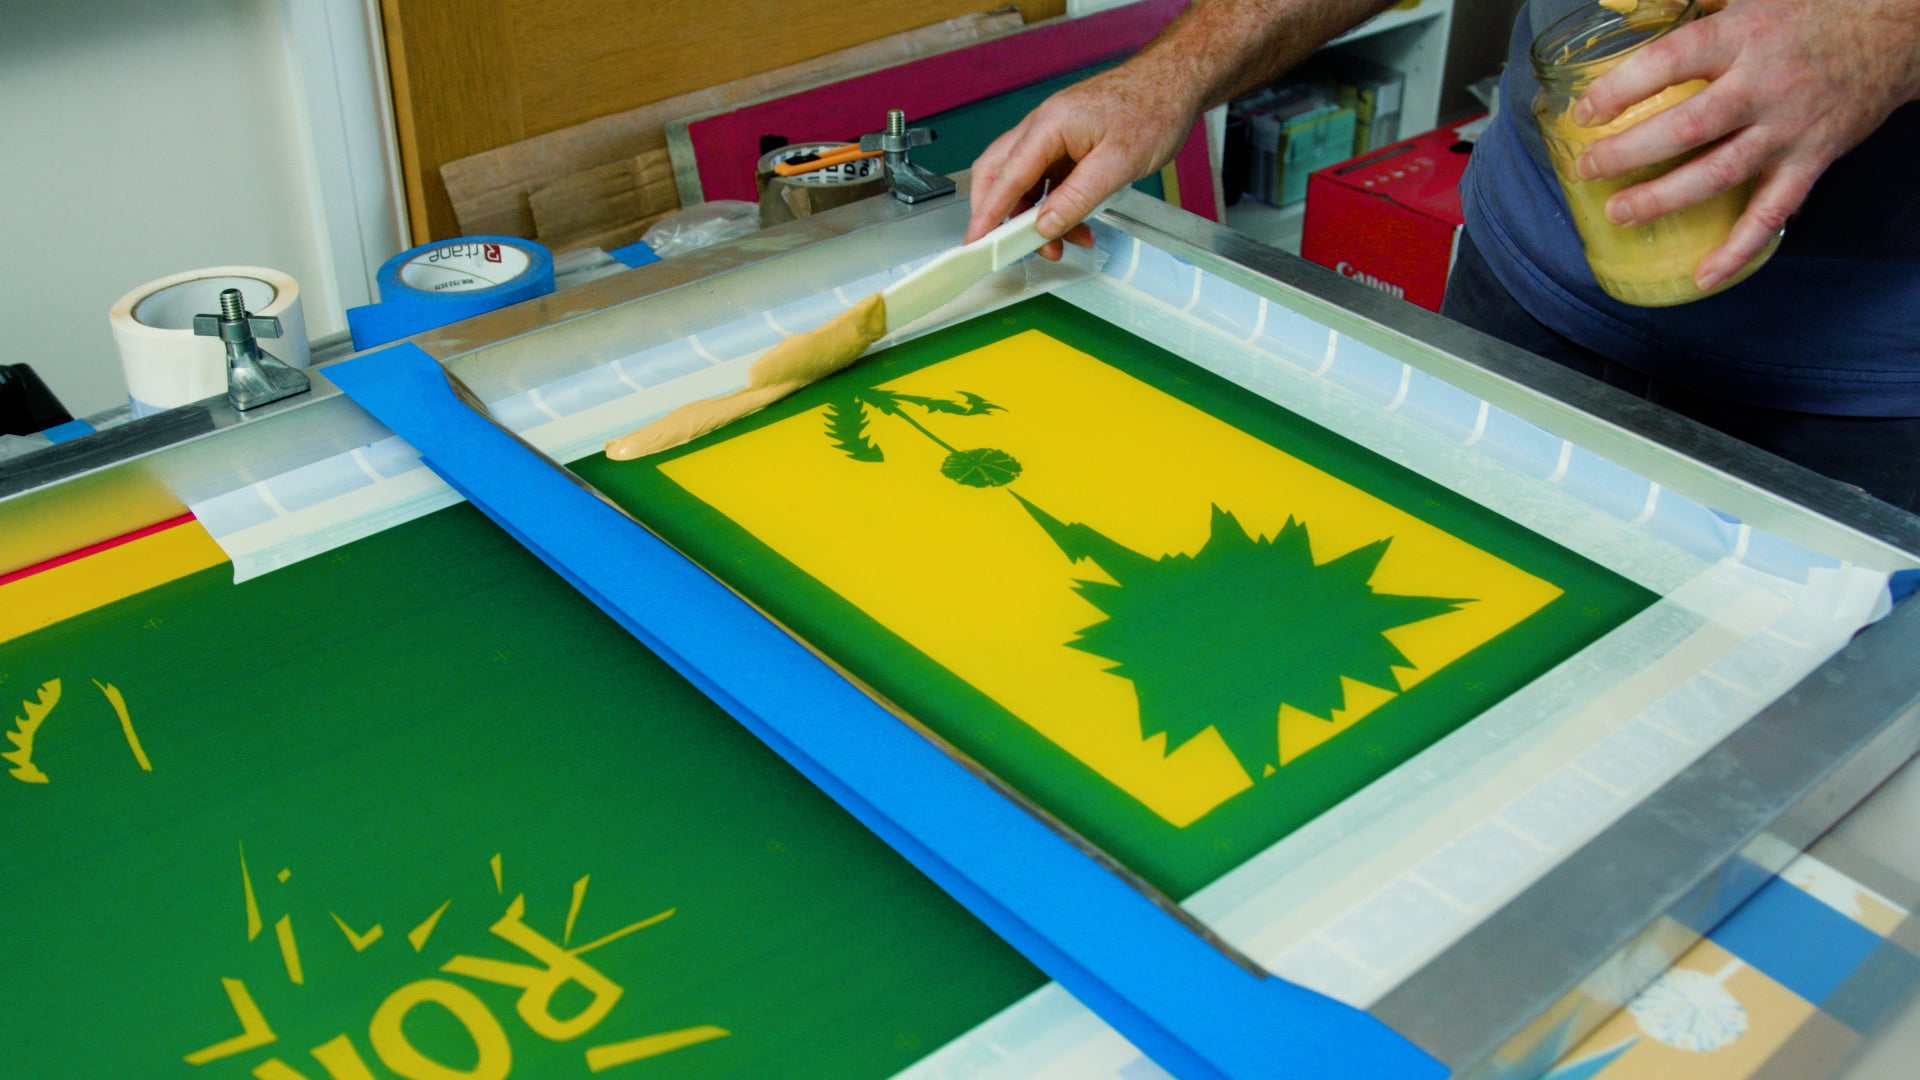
(40, 598)
(602, 1058)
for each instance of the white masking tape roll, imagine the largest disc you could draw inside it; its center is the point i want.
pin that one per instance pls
(165, 364)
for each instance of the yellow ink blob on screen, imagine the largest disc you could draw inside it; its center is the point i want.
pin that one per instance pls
(952, 527)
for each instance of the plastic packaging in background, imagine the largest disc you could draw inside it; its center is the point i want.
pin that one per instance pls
(702, 225)
(582, 265)
(16, 446)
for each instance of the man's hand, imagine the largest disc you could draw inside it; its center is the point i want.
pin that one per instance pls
(1792, 85)
(1091, 140)
(1097, 137)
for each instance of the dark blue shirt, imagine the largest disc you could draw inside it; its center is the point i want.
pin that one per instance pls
(1830, 325)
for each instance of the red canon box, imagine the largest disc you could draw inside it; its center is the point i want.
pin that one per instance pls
(1389, 219)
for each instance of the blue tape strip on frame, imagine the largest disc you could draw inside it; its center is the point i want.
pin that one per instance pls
(67, 432)
(638, 253)
(404, 311)
(1176, 997)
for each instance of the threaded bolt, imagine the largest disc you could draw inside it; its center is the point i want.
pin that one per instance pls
(231, 304)
(896, 122)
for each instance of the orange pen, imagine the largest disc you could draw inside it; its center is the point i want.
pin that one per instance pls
(825, 159)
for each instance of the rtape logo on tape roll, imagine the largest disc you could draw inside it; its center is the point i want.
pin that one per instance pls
(440, 283)
(462, 267)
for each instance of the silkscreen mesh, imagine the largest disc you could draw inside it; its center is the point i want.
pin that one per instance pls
(1355, 901)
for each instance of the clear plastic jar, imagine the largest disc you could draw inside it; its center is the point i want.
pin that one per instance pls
(1650, 264)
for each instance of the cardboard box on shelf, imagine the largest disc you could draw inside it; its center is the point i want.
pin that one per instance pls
(1390, 219)
(1280, 134)
(1291, 131)
(1372, 90)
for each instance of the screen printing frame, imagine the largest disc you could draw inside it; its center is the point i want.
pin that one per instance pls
(1700, 845)
(1686, 855)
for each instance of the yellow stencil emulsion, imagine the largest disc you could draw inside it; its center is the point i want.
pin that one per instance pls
(966, 574)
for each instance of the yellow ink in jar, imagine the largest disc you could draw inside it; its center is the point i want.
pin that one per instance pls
(1649, 263)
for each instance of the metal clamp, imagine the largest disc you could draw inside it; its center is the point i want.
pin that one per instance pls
(910, 182)
(254, 376)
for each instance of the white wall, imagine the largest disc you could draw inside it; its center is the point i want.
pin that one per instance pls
(139, 139)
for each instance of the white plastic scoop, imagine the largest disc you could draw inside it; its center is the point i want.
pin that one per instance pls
(952, 272)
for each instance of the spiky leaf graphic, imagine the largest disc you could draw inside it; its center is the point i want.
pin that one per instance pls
(35, 712)
(981, 467)
(1223, 637)
(977, 404)
(970, 404)
(883, 400)
(847, 427)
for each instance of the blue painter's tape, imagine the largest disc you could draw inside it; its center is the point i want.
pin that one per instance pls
(1902, 584)
(1174, 995)
(67, 432)
(1799, 942)
(449, 280)
(638, 253)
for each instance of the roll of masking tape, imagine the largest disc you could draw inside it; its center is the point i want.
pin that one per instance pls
(789, 198)
(165, 364)
(443, 282)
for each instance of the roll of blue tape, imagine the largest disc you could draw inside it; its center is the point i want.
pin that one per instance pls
(449, 280)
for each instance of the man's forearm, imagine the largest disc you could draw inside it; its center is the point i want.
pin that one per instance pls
(1219, 49)
(1121, 124)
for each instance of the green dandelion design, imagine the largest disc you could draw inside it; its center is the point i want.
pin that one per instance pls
(1173, 624)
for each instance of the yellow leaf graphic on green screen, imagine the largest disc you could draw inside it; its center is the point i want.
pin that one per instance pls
(24, 727)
